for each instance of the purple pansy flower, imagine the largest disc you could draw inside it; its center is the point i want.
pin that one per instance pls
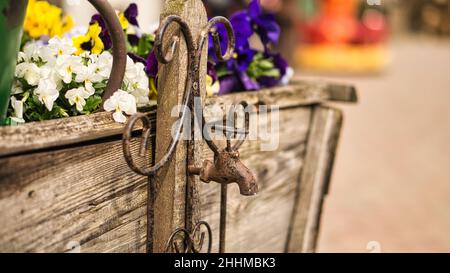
(104, 35)
(242, 27)
(136, 58)
(151, 67)
(264, 23)
(252, 20)
(229, 84)
(131, 13)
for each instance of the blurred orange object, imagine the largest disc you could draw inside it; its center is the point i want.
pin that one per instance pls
(343, 58)
(344, 36)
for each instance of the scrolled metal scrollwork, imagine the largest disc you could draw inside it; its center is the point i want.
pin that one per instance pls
(192, 78)
(193, 238)
(190, 243)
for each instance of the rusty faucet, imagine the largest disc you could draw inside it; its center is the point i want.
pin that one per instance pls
(227, 168)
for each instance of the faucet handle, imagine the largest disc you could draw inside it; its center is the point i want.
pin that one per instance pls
(227, 168)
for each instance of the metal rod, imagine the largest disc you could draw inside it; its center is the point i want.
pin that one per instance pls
(223, 217)
(119, 47)
(151, 194)
(190, 183)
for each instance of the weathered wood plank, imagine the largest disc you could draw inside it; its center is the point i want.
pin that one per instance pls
(170, 205)
(313, 187)
(85, 195)
(261, 223)
(61, 132)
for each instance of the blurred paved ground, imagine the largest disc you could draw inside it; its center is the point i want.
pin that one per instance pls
(391, 182)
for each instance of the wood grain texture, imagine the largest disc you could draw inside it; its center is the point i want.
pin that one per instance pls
(170, 205)
(322, 141)
(55, 133)
(261, 223)
(86, 195)
(52, 195)
(60, 132)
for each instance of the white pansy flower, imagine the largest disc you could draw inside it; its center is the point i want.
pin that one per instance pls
(66, 65)
(21, 57)
(17, 105)
(17, 88)
(288, 76)
(46, 55)
(93, 58)
(104, 64)
(47, 93)
(137, 82)
(87, 75)
(31, 51)
(48, 72)
(78, 97)
(120, 102)
(61, 46)
(37, 51)
(142, 96)
(136, 79)
(30, 72)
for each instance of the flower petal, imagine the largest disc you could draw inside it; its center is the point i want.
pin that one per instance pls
(254, 9)
(118, 116)
(131, 13)
(268, 29)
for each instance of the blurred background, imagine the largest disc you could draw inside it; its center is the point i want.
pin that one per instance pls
(390, 189)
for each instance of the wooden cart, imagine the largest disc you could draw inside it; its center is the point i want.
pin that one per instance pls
(65, 185)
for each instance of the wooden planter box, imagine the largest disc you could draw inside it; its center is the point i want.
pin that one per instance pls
(64, 183)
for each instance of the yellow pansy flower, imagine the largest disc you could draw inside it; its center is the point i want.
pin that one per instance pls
(123, 21)
(44, 19)
(90, 42)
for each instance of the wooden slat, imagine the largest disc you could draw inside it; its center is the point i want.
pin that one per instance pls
(85, 195)
(60, 132)
(313, 187)
(261, 223)
(170, 208)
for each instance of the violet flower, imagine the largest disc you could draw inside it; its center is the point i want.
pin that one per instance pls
(255, 20)
(104, 35)
(264, 23)
(151, 67)
(131, 13)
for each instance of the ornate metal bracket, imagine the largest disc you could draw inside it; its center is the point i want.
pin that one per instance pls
(226, 167)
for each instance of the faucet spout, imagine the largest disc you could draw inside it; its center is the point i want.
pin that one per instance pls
(227, 168)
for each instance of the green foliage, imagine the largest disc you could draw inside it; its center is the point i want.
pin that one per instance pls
(261, 67)
(144, 46)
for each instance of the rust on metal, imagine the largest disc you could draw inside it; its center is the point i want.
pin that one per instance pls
(226, 167)
(183, 240)
(119, 47)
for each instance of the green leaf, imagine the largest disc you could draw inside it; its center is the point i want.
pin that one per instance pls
(92, 104)
(273, 73)
(145, 45)
(100, 85)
